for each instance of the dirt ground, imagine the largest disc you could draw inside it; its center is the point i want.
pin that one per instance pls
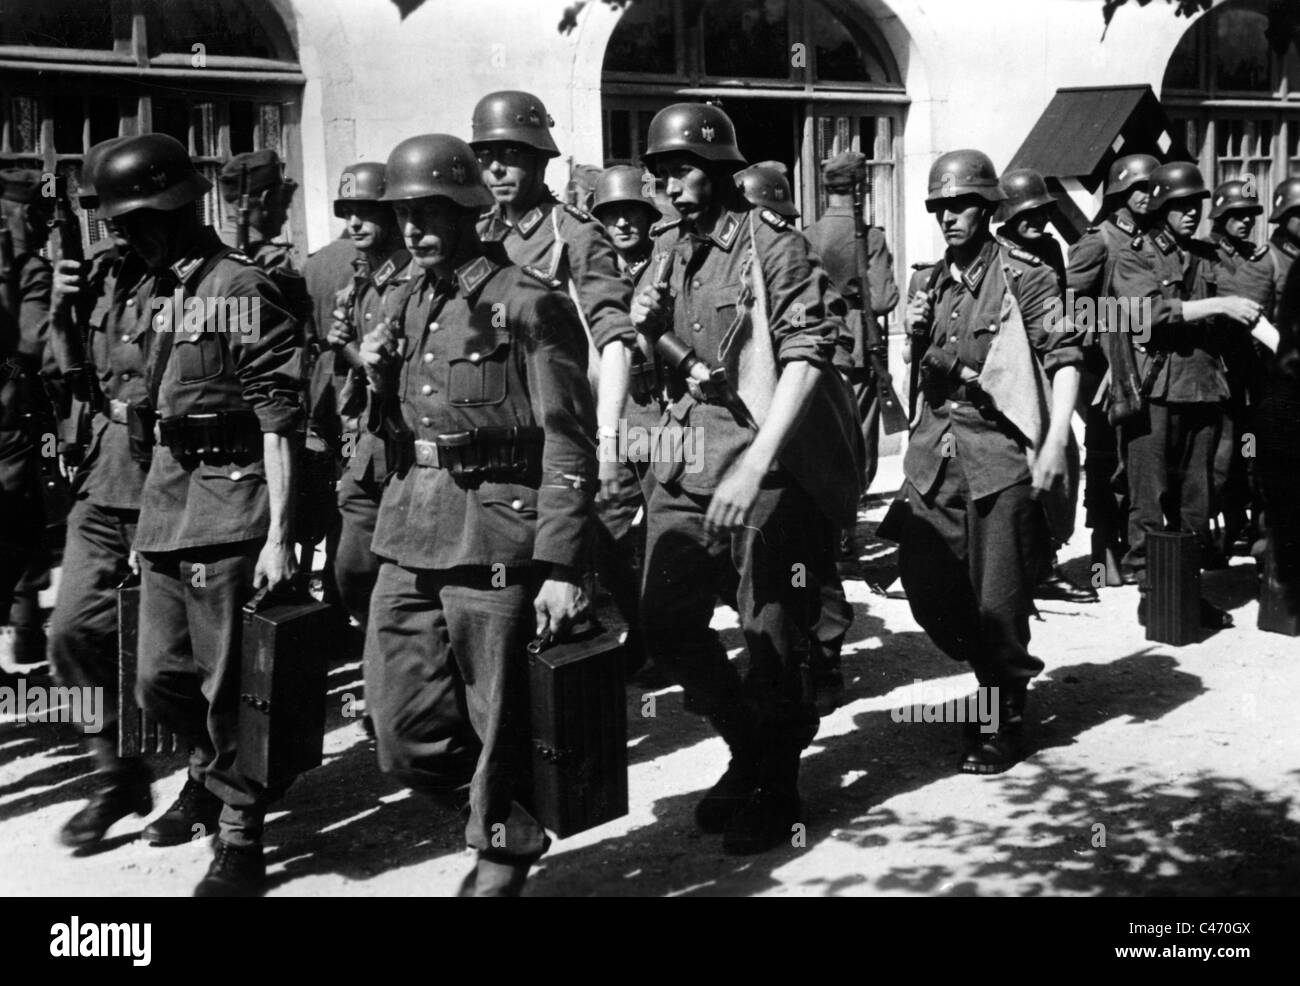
(1154, 770)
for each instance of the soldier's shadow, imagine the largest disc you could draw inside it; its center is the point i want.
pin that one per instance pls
(844, 778)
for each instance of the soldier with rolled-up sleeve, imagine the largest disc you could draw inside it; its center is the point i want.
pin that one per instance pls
(479, 391)
(216, 503)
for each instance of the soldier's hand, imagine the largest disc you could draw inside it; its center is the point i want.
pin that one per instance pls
(649, 305)
(608, 473)
(919, 311)
(1049, 468)
(276, 564)
(133, 561)
(69, 282)
(1241, 310)
(340, 332)
(560, 601)
(733, 500)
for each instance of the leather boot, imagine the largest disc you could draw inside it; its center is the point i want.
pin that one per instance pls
(496, 876)
(236, 871)
(729, 795)
(768, 818)
(123, 791)
(193, 814)
(999, 751)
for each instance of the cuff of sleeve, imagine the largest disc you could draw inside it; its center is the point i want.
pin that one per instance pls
(621, 331)
(1175, 311)
(279, 420)
(1064, 356)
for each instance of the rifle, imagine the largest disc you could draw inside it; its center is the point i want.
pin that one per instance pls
(350, 351)
(891, 409)
(67, 321)
(245, 211)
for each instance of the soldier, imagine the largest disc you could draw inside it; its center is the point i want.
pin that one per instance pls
(270, 193)
(972, 544)
(566, 245)
(1090, 275)
(215, 506)
(1244, 269)
(1284, 244)
(761, 500)
(478, 378)
(831, 237)
(26, 308)
(1024, 214)
(379, 271)
(109, 377)
(1169, 447)
(621, 205)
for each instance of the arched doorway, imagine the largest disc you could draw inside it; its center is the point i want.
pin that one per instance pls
(1232, 97)
(221, 76)
(802, 79)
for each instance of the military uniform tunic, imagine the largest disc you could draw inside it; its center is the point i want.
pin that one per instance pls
(446, 672)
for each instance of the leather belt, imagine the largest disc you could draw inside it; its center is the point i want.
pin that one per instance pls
(427, 455)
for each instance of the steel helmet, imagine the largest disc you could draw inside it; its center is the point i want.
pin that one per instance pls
(435, 165)
(518, 117)
(1127, 171)
(624, 183)
(1231, 196)
(695, 128)
(1176, 180)
(150, 171)
(362, 182)
(1285, 198)
(767, 188)
(86, 183)
(1024, 189)
(964, 172)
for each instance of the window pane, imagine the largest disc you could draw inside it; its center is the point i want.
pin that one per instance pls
(747, 39)
(268, 128)
(1241, 50)
(1182, 72)
(203, 118)
(103, 119)
(172, 117)
(57, 24)
(241, 127)
(68, 121)
(22, 124)
(838, 59)
(223, 28)
(643, 40)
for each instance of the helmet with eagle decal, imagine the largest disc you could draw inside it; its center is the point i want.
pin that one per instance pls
(150, 171)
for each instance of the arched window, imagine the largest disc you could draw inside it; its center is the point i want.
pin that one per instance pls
(219, 75)
(1234, 100)
(802, 79)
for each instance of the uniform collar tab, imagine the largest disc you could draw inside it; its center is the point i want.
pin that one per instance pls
(475, 273)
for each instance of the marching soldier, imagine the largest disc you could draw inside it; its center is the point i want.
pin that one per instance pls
(1090, 275)
(379, 271)
(979, 459)
(774, 484)
(831, 237)
(621, 205)
(215, 508)
(26, 306)
(106, 503)
(1024, 214)
(481, 396)
(1284, 244)
(1169, 447)
(1244, 269)
(512, 139)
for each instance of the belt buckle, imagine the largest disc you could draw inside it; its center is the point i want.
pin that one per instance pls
(426, 454)
(117, 411)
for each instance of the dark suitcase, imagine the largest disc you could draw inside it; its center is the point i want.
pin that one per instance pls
(579, 730)
(138, 733)
(282, 687)
(1279, 611)
(1174, 588)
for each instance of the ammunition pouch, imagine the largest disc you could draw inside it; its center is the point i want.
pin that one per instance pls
(511, 454)
(212, 435)
(643, 382)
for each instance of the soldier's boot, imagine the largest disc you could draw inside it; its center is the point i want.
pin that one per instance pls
(28, 622)
(1057, 586)
(194, 814)
(729, 795)
(236, 871)
(495, 876)
(124, 789)
(1003, 749)
(771, 815)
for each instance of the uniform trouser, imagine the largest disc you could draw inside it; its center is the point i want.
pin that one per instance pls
(834, 617)
(867, 398)
(1233, 472)
(1169, 455)
(83, 628)
(447, 686)
(780, 556)
(191, 628)
(12, 562)
(355, 566)
(616, 552)
(969, 567)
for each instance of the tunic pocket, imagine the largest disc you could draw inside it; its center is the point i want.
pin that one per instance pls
(478, 377)
(199, 357)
